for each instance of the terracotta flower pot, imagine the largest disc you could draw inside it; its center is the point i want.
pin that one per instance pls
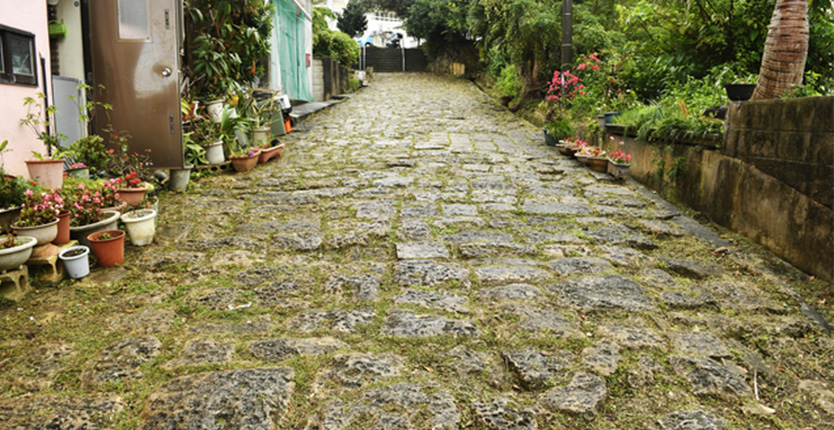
(111, 251)
(63, 228)
(132, 196)
(245, 163)
(268, 153)
(48, 173)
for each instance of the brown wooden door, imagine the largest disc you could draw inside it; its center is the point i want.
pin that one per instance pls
(135, 48)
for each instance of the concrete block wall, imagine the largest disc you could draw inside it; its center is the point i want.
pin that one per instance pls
(772, 182)
(792, 140)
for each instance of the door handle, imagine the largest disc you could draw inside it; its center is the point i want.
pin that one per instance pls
(166, 72)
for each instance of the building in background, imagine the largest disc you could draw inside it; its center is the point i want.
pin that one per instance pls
(292, 49)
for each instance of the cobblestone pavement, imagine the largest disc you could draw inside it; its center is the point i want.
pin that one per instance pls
(420, 260)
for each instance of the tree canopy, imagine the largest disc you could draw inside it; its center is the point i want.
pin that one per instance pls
(352, 20)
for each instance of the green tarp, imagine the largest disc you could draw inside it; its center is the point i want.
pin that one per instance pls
(291, 36)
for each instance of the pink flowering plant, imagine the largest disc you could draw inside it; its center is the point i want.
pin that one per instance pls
(619, 157)
(89, 201)
(40, 208)
(591, 151)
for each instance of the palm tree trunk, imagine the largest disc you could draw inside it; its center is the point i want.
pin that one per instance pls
(786, 49)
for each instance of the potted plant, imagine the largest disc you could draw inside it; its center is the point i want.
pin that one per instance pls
(130, 188)
(88, 213)
(39, 216)
(76, 261)
(740, 92)
(140, 226)
(207, 134)
(79, 170)
(193, 154)
(618, 163)
(46, 170)
(12, 197)
(244, 160)
(108, 246)
(14, 251)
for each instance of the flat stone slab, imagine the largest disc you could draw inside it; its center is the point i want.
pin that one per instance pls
(123, 359)
(500, 274)
(532, 368)
(510, 292)
(443, 300)
(361, 288)
(691, 420)
(621, 235)
(582, 396)
(275, 350)
(222, 243)
(60, 412)
(625, 257)
(471, 236)
(475, 250)
(355, 370)
(660, 228)
(419, 210)
(250, 399)
(395, 407)
(429, 273)
(535, 320)
(151, 321)
(450, 210)
(556, 208)
(336, 320)
(201, 351)
(413, 229)
(501, 414)
(710, 378)
(604, 292)
(353, 233)
(301, 241)
(384, 209)
(405, 323)
(692, 269)
(421, 250)
(680, 300)
(276, 294)
(394, 181)
(579, 266)
(699, 343)
(633, 338)
(603, 358)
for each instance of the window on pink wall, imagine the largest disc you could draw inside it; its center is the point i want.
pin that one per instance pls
(17, 57)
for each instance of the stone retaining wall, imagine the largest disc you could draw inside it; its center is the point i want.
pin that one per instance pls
(772, 182)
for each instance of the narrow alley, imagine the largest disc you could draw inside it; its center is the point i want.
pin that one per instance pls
(420, 259)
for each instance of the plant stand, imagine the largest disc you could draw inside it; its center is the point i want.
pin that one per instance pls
(45, 260)
(14, 284)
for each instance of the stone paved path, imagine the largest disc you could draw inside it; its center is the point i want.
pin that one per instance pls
(420, 260)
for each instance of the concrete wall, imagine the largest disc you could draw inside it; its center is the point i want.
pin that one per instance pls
(771, 194)
(330, 78)
(27, 16)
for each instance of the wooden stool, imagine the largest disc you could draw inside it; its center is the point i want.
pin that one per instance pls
(15, 283)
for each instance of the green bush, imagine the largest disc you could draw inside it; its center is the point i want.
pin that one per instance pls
(509, 83)
(344, 49)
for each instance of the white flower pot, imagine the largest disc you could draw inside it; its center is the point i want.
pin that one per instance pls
(14, 257)
(78, 266)
(140, 226)
(180, 178)
(44, 233)
(214, 153)
(215, 110)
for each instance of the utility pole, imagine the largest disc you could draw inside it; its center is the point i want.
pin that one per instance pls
(567, 34)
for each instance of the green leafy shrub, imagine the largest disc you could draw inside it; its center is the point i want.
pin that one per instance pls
(344, 49)
(509, 82)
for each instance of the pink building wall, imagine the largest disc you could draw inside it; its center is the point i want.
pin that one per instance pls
(28, 16)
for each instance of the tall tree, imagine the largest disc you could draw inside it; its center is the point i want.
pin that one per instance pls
(353, 21)
(786, 49)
